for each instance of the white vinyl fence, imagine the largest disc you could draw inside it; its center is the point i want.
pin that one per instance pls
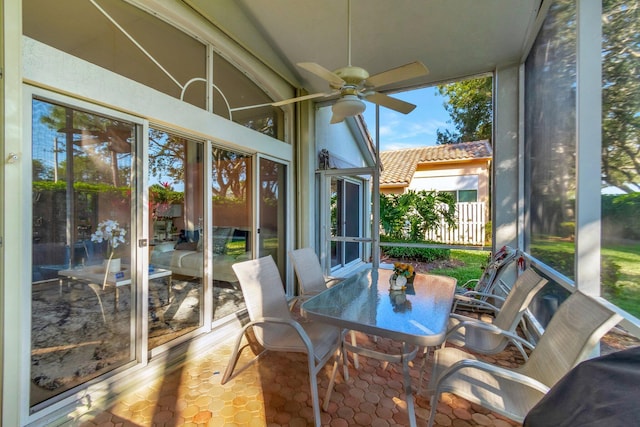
(470, 226)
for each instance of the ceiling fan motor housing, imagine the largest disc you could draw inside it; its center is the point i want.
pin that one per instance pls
(352, 75)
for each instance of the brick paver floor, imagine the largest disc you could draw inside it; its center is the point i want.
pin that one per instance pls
(275, 392)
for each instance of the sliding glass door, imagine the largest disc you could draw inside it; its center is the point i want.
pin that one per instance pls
(176, 209)
(272, 225)
(232, 216)
(82, 293)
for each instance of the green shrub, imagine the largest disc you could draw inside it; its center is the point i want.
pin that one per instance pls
(567, 229)
(617, 212)
(609, 275)
(487, 233)
(414, 254)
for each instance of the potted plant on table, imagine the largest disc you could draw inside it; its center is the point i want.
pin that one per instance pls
(110, 231)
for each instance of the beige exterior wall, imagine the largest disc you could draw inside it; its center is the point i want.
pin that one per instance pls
(479, 168)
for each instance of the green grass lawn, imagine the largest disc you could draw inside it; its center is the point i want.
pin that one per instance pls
(626, 257)
(473, 261)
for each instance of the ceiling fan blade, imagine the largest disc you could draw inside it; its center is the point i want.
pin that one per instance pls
(398, 74)
(334, 79)
(302, 98)
(389, 102)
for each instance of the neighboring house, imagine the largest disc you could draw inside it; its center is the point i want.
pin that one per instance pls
(461, 169)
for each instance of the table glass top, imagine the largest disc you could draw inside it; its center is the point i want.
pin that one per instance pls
(364, 302)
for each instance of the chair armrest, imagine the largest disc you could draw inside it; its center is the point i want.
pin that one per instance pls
(471, 301)
(467, 322)
(465, 285)
(492, 369)
(472, 294)
(295, 325)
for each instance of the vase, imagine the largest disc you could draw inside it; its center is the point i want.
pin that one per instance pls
(397, 283)
(113, 265)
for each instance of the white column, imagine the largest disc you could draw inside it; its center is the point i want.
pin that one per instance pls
(588, 145)
(506, 206)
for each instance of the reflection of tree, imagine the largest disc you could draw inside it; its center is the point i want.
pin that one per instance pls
(621, 93)
(229, 174)
(269, 182)
(91, 144)
(166, 155)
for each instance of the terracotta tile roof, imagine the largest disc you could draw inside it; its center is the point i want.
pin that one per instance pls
(399, 166)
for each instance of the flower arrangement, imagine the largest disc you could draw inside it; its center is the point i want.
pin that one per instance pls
(402, 269)
(402, 274)
(110, 231)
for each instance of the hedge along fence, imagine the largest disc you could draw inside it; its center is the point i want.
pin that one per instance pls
(412, 214)
(620, 216)
(406, 218)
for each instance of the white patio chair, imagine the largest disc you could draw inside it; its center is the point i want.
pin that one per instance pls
(276, 330)
(484, 288)
(491, 338)
(571, 335)
(312, 281)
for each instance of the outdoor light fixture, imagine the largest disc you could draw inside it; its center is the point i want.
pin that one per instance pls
(348, 106)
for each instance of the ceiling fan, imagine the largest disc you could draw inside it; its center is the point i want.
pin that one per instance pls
(354, 84)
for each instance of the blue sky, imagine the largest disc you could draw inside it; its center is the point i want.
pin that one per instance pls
(416, 129)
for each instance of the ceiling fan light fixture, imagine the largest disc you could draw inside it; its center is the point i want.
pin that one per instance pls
(348, 106)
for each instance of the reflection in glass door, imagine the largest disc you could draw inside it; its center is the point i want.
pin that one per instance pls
(176, 260)
(231, 181)
(82, 317)
(272, 212)
(346, 220)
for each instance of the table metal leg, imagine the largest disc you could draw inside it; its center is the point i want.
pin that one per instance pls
(407, 355)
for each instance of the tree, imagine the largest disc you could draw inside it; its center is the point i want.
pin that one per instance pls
(621, 93)
(419, 211)
(470, 106)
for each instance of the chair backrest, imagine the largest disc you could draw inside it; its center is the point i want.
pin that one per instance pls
(524, 289)
(264, 295)
(498, 264)
(573, 332)
(308, 271)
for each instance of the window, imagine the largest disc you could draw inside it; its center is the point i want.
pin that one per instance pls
(94, 38)
(467, 196)
(152, 52)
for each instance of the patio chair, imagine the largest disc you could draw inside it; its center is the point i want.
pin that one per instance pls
(275, 329)
(571, 335)
(491, 338)
(312, 281)
(484, 289)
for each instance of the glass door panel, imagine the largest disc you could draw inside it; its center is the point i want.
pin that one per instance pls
(176, 266)
(231, 178)
(346, 200)
(82, 316)
(352, 220)
(272, 212)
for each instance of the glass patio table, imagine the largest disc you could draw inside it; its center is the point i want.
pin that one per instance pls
(417, 316)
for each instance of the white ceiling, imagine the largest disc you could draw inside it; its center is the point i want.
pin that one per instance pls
(453, 38)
